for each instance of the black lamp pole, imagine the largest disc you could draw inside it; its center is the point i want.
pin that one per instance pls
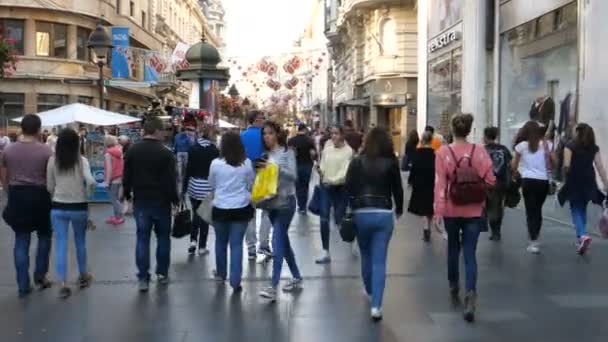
(101, 43)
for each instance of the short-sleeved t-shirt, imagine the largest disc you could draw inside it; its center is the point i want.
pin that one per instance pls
(26, 163)
(533, 164)
(302, 145)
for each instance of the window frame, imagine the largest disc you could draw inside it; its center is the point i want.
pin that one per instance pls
(48, 105)
(19, 45)
(87, 52)
(52, 35)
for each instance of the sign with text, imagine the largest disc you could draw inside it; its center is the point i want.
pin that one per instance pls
(443, 40)
(121, 54)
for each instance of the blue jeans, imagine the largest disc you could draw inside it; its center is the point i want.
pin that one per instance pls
(281, 247)
(303, 185)
(579, 218)
(61, 220)
(152, 215)
(468, 229)
(232, 233)
(22, 257)
(331, 196)
(374, 232)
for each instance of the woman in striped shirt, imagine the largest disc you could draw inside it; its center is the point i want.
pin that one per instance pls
(197, 186)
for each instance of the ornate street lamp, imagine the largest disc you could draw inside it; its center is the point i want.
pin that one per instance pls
(101, 43)
(203, 59)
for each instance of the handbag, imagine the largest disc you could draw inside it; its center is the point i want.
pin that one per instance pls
(205, 209)
(182, 222)
(348, 230)
(549, 165)
(314, 206)
(266, 184)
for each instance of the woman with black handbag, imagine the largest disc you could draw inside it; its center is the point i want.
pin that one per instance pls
(373, 181)
(196, 186)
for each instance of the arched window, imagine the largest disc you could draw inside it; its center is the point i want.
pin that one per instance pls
(388, 36)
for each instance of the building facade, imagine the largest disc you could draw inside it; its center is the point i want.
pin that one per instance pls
(312, 93)
(514, 58)
(373, 45)
(57, 68)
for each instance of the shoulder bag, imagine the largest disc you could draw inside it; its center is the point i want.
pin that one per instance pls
(182, 222)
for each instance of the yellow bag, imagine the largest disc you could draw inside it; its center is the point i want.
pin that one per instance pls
(265, 184)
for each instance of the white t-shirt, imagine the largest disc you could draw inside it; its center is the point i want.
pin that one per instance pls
(231, 185)
(533, 164)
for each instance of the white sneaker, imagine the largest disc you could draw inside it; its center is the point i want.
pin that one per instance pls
(324, 258)
(269, 293)
(376, 314)
(203, 251)
(533, 248)
(584, 244)
(293, 285)
(354, 248)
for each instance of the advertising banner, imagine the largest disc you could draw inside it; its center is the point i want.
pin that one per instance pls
(154, 64)
(121, 54)
(178, 59)
(443, 14)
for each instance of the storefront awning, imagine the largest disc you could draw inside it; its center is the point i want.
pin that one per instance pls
(355, 103)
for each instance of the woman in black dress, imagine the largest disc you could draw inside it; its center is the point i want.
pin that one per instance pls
(410, 150)
(422, 181)
(580, 157)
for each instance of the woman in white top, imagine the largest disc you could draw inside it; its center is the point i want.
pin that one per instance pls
(231, 177)
(335, 159)
(69, 181)
(533, 160)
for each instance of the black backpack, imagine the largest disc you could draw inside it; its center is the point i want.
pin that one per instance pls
(466, 186)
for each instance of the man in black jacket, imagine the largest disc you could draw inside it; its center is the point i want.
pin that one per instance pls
(149, 176)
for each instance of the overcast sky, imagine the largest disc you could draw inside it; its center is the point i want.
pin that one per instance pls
(258, 28)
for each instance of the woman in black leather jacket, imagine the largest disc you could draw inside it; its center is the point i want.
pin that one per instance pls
(373, 181)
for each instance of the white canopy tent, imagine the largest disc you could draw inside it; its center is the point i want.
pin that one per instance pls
(81, 113)
(226, 124)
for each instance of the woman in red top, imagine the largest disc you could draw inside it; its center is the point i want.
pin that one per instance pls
(462, 218)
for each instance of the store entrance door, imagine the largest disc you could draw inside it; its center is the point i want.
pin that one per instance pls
(390, 119)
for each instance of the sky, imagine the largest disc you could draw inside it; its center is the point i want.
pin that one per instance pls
(256, 28)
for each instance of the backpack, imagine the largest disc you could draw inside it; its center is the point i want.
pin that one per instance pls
(466, 186)
(500, 165)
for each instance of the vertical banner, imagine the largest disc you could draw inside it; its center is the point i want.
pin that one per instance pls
(178, 58)
(194, 100)
(207, 101)
(120, 53)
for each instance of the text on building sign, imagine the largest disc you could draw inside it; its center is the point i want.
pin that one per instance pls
(443, 40)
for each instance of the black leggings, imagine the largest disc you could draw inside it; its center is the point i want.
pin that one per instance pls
(535, 193)
(198, 226)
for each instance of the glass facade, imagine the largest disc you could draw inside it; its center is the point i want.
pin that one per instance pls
(538, 67)
(444, 89)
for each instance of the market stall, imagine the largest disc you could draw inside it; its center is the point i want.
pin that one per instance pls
(76, 114)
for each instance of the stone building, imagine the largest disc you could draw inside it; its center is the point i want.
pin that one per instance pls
(373, 45)
(56, 67)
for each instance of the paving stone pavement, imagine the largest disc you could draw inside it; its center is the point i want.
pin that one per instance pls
(555, 296)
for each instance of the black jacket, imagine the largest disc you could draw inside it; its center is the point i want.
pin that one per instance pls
(200, 157)
(150, 173)
(375, 184)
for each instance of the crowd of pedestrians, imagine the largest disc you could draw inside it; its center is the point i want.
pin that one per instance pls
(457, 188)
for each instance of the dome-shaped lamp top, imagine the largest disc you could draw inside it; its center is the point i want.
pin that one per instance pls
(203, 53)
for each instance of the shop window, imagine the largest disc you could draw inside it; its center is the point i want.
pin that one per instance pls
(13, 106)
(82, 39)
(51, 101)
(88, 100)
(444, 89)
(388, 37)
(51, 40)
(538, 62)
(13, 29)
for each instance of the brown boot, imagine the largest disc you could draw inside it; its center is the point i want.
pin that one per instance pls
(470, 301)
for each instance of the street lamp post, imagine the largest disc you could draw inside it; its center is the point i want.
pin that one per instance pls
(101, 43)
